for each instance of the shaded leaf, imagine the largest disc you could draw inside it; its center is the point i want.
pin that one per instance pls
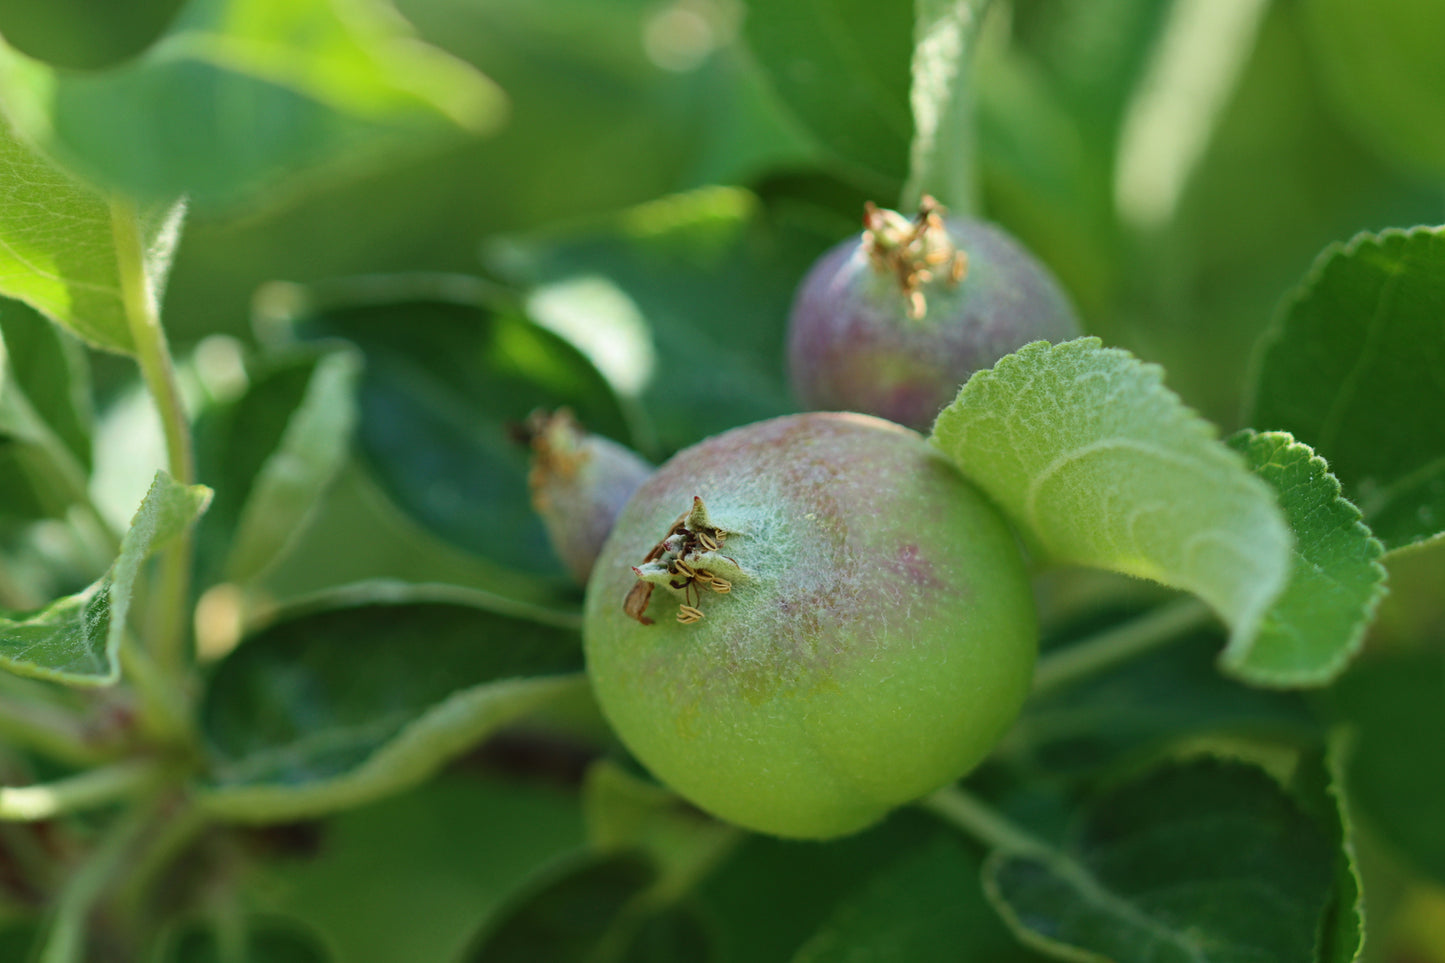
(1318, 623)
(1395, 769)
(696, 287)
(1344, 934)
(451, 852)
(263, 941)
(926, 906)
(57, 244)
(807, 49)
(50, 371)
(1350, 364)
(624, 812)
(270, 454)
(76, 639)
(1099, 464)
(1205, 862)
(1115, 719)
(452, 369)
(772, 895)
(241, 94)
(369, 692)
(565, 916)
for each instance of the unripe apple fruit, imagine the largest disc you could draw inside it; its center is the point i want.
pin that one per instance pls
(893, 321)
(803, 623)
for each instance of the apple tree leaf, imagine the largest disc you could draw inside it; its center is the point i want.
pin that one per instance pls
(1099, 464)
(369, 692)
(58, 249)
(1205, 862)
(1354, 367)
(77, 639)
(1318, 622)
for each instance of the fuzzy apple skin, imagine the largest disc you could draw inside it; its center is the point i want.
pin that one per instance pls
(852, 345)
(882, 639)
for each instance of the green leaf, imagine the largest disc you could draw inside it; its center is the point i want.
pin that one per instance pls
(270, 454)
(50, 371)
(1099, 464)
(242, 95)
(1208, 862)
(627, 813)
(257, 941)
(1318, 623)
(1354, 359)
(452, 369)
(1344, 934)
(1139, 709)
(567, 915)
(451, 853)
(77, 639)
(926, 907)
(772, 895)
(696, 285)
(842, 70)
(1395, 769)
(57, 245)
(1380, 62)
(370, 692)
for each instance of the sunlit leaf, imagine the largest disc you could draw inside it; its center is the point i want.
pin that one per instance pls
(77, 639)
(1099, 464)
(58, 249)
(242, 94)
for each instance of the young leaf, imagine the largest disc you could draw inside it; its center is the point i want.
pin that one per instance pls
(1352, 363)
(57, 245)
(270, 453)
(1207, 862)
(1139, 709)
(1395, 769)
(927, 907)
(698, 283)
(1318, 622)
(370, 694)
(77, 639)
(332, 87)
(842, 70)
(1099, 464)
(452, 370)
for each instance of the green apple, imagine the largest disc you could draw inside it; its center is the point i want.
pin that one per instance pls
(803, 623)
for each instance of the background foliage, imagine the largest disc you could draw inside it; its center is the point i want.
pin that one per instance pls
(379, 238)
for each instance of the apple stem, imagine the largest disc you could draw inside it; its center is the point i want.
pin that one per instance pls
(1104, 650)
(978, 819)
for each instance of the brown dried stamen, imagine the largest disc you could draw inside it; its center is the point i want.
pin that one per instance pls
(674, 562)
(913, 252)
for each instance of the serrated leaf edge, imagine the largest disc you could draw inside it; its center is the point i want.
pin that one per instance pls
(1231, 658)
